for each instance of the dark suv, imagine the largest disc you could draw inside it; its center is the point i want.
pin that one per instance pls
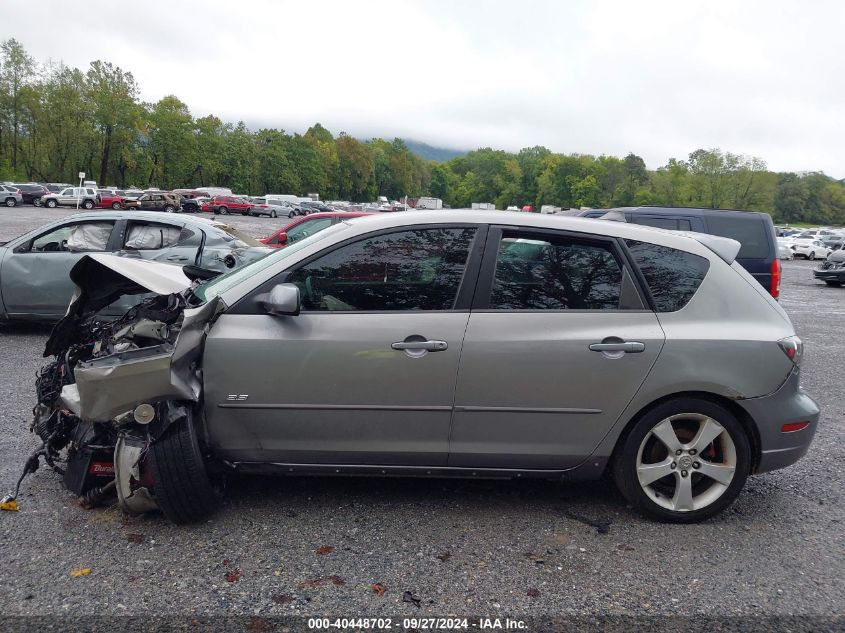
(758, 252)
(32, 193)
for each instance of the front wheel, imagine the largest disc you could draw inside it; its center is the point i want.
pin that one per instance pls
(291, 214)
(169, 208)
(36, 202)
(272, 214)
(183, 490)
(812, 256)
(51, 204)
(834, 284)
(684, 461)
(223, 211)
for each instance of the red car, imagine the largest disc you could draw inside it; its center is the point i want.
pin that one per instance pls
(110, 199)
(225, 205)
(305, 226)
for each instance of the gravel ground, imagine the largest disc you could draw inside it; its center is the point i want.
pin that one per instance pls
(484, 548)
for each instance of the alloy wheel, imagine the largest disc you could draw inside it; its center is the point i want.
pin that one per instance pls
(686, 462)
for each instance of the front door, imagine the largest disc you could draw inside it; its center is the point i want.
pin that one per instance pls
(558, 343)
(35, 276)
(365, 374)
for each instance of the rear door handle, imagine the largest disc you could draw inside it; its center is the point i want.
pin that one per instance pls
(427, 346)
(629, 347)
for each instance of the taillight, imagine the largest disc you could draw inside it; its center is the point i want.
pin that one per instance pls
(792, 427)
(774, 288)
(793, 348)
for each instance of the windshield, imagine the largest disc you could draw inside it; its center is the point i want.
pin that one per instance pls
(221, 284)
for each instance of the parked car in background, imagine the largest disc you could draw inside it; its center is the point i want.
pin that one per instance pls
(133, 194)
(807, 249)
(754, 231)
(34, 282)
(434, 343)
(785, 249)
(832, 270)
(82, 197)
(56, 187)
(31, 193)
(306, 226)
(271, 208)
(10, 195)
(110, 199)
(160, 201)
(833, 242)
(229, 204)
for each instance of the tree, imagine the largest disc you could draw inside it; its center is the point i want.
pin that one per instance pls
(113, 95)
(355, 168)
(17, 70)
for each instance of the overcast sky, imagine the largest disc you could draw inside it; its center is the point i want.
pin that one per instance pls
(659, 79)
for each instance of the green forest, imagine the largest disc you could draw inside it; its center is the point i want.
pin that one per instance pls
(56, 120)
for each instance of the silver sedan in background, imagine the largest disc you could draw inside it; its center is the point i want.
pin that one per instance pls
(34, 282)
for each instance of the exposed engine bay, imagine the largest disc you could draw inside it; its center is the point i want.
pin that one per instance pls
(112, 389)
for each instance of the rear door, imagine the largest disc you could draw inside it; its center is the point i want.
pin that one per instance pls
(558, 342)
(365, 374)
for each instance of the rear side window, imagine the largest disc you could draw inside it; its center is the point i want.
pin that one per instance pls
(673, 276)
(749, 230)
(537, 273)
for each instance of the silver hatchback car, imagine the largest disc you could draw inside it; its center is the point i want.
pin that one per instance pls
(460, 343)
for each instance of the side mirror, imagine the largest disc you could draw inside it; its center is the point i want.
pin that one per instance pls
(283, 299)
(283, 238)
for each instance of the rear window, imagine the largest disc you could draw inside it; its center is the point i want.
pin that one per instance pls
(673, 276)
(749, 230)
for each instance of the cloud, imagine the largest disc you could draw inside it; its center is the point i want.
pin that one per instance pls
(659, 79)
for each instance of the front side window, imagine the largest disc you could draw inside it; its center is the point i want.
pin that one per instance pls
(418, 269)
(673, 276)
(549, 273)
(83, 237)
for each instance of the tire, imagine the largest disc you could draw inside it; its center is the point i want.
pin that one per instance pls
(291, 214)
(834, 284)
(36, 202)
(272, 214)
(51, 204)
(223, 211)
(11, 202)
(183, 489)
(88, 204)
(169, 208)
(728, 458)
(116, 206)
(812, 256)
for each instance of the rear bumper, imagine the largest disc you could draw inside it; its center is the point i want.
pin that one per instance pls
(788, 404)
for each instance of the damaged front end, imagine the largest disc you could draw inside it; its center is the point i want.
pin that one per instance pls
(115, 388)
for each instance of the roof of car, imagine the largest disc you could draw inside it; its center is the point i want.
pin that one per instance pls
(725, 248)
(672, 210)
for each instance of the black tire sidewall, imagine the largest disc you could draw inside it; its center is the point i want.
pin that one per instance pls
(625, 461)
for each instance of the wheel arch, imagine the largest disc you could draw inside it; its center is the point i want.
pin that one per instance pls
(731, 405)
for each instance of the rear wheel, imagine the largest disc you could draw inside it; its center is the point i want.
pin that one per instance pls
(684, 461)
(51, 204)
(115, 205)
(812, 256)
(10, 202)
(169, 208)
(183, 490)
(36, 202)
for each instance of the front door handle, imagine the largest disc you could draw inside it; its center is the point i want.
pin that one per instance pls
(627, 347)
(421, 346)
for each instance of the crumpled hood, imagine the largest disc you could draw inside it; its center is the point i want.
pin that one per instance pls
(102, 279)
(99, 277)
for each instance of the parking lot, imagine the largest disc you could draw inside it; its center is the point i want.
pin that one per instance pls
(317, 546)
